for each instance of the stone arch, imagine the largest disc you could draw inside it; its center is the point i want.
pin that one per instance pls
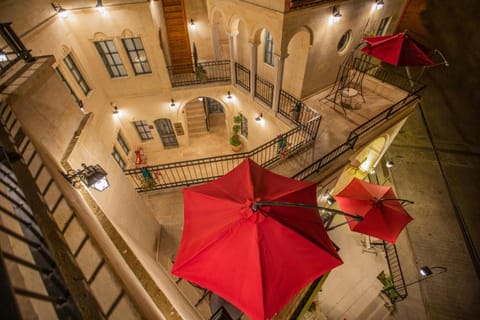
(297, 46)
(100, 36)
(303, 28)
(127, 33)
(217, 16)
(239, 26)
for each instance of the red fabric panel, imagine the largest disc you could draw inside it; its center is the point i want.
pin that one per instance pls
(255, 260)
(382, 219)
(398, 50)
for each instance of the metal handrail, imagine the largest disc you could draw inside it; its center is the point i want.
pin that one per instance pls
(264, 90)
(395, 270)
(352, 139)
(188, 172)
(242, 76)
(202, 73)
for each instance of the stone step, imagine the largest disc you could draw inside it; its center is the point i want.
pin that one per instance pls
(193, 126)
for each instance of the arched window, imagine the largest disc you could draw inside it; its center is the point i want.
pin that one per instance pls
(269, 48)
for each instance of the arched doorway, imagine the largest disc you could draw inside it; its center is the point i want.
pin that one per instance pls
(205, 116)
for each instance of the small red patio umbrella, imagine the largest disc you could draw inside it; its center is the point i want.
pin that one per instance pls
(383, 214)
(255, 254)
(398, 49)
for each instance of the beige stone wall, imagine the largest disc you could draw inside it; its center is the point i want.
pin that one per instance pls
(323, 59)
(200, 34)
(46, 110)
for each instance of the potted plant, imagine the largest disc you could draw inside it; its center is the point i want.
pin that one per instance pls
(389, 288)
(235, 140)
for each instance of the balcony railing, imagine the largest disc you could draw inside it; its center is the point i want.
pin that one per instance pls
(398, 291)
(264, 90)
(367, 126)
(204, 72)
(186, 173)
(385, 73)
(296, 4)
(242, 74)
(287, 107)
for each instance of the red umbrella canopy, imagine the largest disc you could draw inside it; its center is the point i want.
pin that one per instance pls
(384, 219)
(398, 50)
(256, 260)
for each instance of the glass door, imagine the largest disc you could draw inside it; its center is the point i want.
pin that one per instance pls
(165, 130)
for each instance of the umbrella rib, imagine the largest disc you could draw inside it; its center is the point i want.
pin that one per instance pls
(306, 206)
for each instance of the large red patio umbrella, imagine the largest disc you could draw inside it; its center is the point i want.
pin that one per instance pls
(253, 254)
(398, 49)
(383, 214)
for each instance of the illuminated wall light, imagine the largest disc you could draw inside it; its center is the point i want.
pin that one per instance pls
(116, 111)
(93, 176)
(172, 103)
(259, 118)
(193, 26)
(200, 98)
(335, 16)
(229, 96)
(100, 7)
(379, 5)
(3, 57)
(61, 11)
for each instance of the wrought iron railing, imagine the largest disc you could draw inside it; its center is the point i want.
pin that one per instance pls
(242, 74)
(25, 248)
(386, 73)
(189, 172)
(287, 107)
(368, 125)
(204, 72)
(263, 90)
(13, 49)
(295, 4)
(398, 291)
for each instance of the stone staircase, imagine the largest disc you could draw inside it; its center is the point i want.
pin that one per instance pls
(195, 118)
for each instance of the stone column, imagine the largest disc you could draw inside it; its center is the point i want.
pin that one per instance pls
(233, 54)
(253, 66)
(216, 41)
(279, 63)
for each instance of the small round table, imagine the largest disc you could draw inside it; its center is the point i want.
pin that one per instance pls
(347, 96)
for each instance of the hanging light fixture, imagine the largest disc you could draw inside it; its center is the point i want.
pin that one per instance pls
(92, 176)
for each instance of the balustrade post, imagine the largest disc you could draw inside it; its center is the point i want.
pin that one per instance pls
(253, 66)
(280, 62)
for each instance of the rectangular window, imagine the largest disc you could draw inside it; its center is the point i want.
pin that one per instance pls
(118, 158)
(76, 74)
(111, 59)
(143, 130)
(269, 48)
(137, 55)
(122, 143)
(382, 27)
(65, 82)
(244, 126)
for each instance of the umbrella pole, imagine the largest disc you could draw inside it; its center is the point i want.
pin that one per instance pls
(306, 206)
(402, 201)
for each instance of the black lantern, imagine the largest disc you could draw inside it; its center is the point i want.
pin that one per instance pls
(92, 176)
